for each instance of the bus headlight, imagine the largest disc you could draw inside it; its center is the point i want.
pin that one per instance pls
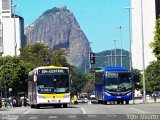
(107, 94)
(66, 96)
(129, 93)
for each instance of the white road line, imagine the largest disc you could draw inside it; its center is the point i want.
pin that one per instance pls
(91, 115)
(32, 118)
(72, 116)
(138, 110)
(51, 117)
(84, 112)
(26, 112)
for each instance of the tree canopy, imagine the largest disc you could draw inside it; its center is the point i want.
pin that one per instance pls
(14, 69)
(153, 77)
(14, 73)
(156, 43)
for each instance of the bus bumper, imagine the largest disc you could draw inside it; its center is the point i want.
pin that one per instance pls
(118, 97)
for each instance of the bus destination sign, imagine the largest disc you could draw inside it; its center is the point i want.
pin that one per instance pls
(52, 71)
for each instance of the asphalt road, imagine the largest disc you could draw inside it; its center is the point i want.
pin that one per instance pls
(84, 112)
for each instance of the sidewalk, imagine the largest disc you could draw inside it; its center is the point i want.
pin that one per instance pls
(140, 101)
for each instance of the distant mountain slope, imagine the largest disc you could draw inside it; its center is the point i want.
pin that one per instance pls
(58, 28)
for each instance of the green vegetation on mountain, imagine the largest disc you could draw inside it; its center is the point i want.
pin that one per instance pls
(107, 58)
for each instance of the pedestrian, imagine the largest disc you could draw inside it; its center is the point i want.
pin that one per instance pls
(25, 102)
(14, 102)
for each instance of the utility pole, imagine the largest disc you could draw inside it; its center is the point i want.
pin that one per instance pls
(111, 58)
(15, 42)
(143, 61)
(120, 28)
(130, 35)
(130, 56)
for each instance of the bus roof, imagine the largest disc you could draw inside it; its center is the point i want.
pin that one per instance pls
(46, 67)
(116, 69)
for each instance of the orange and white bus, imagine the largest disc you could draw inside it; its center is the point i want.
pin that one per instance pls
(49, 86)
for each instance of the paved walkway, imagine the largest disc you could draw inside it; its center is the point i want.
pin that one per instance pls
(140, 101)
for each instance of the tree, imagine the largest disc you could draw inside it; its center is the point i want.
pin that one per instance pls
(156, 43)
(14, 73)
(153, 77)
(89, 87)
(36, 54)
(137, 79)
(78, 82)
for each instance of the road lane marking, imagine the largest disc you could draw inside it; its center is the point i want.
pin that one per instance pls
(26, 112)
(32, 118)
(138, 110)
(84, 112)
(91, 115)
(51, 117)
(72, 116)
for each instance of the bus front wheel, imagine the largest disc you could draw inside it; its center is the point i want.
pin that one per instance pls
(37, 106)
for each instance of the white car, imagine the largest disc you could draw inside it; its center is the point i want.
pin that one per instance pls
(84, 100)
(79, 100)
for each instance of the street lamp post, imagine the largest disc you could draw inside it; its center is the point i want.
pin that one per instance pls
(120, 28)
(111, 58)
(130, 35)
(15, 42)
(143, 61)
(115, 51)
(130, 56)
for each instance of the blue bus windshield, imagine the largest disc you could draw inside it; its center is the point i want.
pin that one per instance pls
(118, 81)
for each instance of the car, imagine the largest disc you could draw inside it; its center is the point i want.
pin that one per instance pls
(94, 100)
(79, 100)
(84, 100)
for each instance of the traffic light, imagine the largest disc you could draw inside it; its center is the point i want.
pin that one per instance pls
(92, 58)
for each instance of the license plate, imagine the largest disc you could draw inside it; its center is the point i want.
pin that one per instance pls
(118, 96)
(53, 100)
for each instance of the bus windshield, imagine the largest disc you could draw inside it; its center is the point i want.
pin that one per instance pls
(53, 83)
(118, 81)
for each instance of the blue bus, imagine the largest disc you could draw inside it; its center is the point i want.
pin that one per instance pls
(113, 84)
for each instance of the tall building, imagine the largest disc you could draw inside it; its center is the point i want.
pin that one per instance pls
(12, 30)
(151, 10)
(5, 8)
(157, 9)
(1, 30)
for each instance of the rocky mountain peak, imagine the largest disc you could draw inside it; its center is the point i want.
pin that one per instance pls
(58, 28)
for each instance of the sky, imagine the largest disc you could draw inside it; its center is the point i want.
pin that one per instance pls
(98, 19)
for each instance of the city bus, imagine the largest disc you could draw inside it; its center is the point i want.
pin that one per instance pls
(49, 86)
(114, 85)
